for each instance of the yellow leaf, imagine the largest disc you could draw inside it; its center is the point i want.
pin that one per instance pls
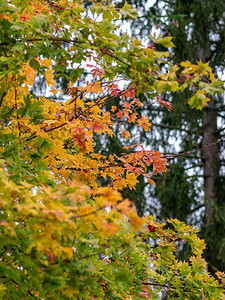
(131, 179)
(49, 77)
(126, 134)
(151, 181)
(136, 223)
(144, 122)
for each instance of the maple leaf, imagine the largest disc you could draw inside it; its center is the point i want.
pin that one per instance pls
(146, 293)
(129, 167)
(96, 70)
(151, 228)
(151, 181)
(127, 104)
(167, 104)
(29, 72)
(126, 134)
(131, 180)
(132, 93)
(119, 115)
(114, 108)
(50, 77)
(132, 117)
(144, 122)
(124, 206)
(136, 223)
(159, 163)
(97, 126)
(114, 90)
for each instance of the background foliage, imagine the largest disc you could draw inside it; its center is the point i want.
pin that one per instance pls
(198, 31)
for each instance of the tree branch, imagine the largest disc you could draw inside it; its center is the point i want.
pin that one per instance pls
(87, 256)
(88, 214)
(174, 287)
(54, 39)
(194, 151)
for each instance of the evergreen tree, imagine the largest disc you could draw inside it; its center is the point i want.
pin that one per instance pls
(198, 29)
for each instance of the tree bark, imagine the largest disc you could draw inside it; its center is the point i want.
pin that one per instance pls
(210, 156)
(210, 159)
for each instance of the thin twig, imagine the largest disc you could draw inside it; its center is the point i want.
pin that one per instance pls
(90, 213)
(94, 211)
(3, 252)
(7, 113)
(107, 52)
(2, 97)
(108, 297)
(194, 151)
(159, 284)
(87, 256)
(174, 287)
(54, 39)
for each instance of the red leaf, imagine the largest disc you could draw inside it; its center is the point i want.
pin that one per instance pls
(167, 104)
(51, 256)
(151, 46)
(151, 228)
(114, 90)
(97, 126)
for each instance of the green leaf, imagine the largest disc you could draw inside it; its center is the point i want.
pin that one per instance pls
(128, 11)
(198, 101)
(166, 42)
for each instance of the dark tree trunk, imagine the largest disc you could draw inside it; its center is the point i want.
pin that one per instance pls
(210, 159)
(211, 167)
(210, 156)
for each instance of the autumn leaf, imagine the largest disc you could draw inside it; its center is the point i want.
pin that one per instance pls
(119, 115)
(131, 180)
(144, 122)
(167, 104)
(97, 126)
(126, 134)
(136, 223)
(114, 108)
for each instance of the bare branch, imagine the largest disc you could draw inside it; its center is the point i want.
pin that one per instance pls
(194, 151)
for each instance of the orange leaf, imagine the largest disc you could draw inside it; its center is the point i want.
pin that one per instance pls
(131, 179)
(119, 115)
(144, 122)
(126, 134)
(136, 223)
(113, 108)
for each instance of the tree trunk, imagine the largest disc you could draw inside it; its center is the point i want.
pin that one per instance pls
(210, 156)
(211, 165)
(210, 159)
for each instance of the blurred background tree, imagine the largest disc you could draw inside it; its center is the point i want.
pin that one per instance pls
(194, 188)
